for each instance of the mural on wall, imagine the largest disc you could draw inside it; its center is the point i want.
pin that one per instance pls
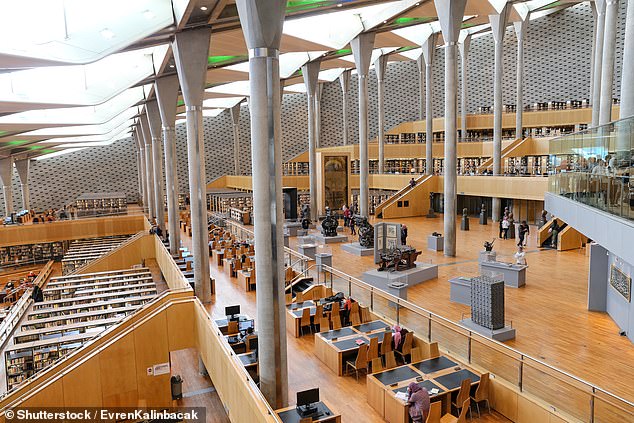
(621, 282)
(335, 181)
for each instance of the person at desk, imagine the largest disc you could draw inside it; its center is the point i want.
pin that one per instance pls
(419, 402)
(347, 307)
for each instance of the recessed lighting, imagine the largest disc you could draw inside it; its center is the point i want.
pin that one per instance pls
(384, 22)
(149, 14)
(203, 8)
(107, 34)
(171, 66)
(417, 4)
(340, 4)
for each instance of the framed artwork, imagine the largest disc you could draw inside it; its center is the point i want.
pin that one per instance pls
(621, 282)
(391, 231)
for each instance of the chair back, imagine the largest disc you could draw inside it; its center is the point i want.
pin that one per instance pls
(482, 392)
(232, 328)
(319, 312)
(354, 318)
(463, 394)
(335, 308)
(336, 321)
(407, 344)
(288, 298)
(365, 315)
(433, 350)
(462, 418)
(386, 345)
(306, 420)
(327, 292)
(390, 360)
(299, 297)
(305, 317)
(324, 324)
(416, 354)
(377, 365)
(188, 265)
(362, 357)
(354, 307)
(435, 410)
(373, 349)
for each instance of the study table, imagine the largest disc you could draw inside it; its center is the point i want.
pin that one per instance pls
(250, 362)
(223, 324)
(325, 414)
(294, 314)
(334, 347)
(439, 373)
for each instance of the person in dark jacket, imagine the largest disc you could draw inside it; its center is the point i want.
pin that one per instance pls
(419, 402)
(403, 235)
(523, 232)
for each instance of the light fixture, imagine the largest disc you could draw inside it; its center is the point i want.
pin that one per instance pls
(417, 4)
(107, 34)
(203, 8)
(172, 66)
(384, 22)
(340, 4)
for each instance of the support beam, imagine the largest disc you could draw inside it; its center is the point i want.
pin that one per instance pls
(420, 64)
(138, 137)
(362, 46)
(191, 49)
(344, 81)
(154, 120)
(598, 60)
(429, 48)
(23, 166)
(310, 71)
(6, 172)
(627, 73)
(450, 13)
(167, 96)
(380, 67)
(520, 33)
(235, 120)
(262, 26)
(498, 28)
(609, 51)
(149, 167)
(318, 91)
(464, 46)
(593, 7)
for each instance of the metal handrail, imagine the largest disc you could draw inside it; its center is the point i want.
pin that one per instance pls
(502, 348)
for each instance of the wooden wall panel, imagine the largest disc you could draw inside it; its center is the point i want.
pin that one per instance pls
(82, 385)
(180, 326)
(171, 273)
(118, 373)
(529, 412)
(124, 257)
(504, 400)
(52, 396)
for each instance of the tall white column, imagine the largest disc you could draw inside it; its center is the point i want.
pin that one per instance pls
(607, 71)
(23, 167)
(464, 57)
(310, 71)
(149, 167)
(191, 50)
(262, 27)
(593, 7)
(450, 13)
(6, 172)
(318, 91)
(235, 120)
(598, 61)
(420, 64)
(362, 51)
(154, 120)
(138, 137)
(627, 72)
(520, 32)
(498, 28)
(380, 67)
(167, 96)
(429, 48)
(344, 81)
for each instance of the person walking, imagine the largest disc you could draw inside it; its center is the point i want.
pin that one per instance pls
(505, 228)
(352, 223)
(523, 232)
(403, 234)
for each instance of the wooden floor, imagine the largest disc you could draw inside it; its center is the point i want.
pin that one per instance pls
(344, 394)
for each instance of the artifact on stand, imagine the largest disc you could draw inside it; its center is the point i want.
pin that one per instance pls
(511, 233)
(431, 212)
(305, 216)
(544, 219)
(488, 246)
(398, 259)
(483, 215)
(366, 232)
(464, 225)
(487, 302)
(329, 224)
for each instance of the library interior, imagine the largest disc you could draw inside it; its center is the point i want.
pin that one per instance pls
(302, 211)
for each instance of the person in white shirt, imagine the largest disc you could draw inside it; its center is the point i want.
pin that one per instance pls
(520, 256)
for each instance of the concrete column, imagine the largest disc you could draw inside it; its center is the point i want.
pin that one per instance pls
(450, 13)
(23, 167)
(191, 49)
(138, 137)
(310, 71)
(344, 81)
(167, 96)
(464, 56)
(607, 71)
(154, 120)
(420, 64)
(138, 168)
(149, 167)
(380, 67)
(6, 172)
(318, 91)
(362, 52)
(598, 60)
(593, 7)
(262, 26)
(235, 120)
(498, 28)
(627, 74)
(520, 32)
(429, 47)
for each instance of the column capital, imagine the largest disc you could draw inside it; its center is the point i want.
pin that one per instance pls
(262, 22)
(498, 24)
(166, 89)
(154, 119)
(450, 15)
(362, 46)
(191, 50)
(429, 48)
(310, 72)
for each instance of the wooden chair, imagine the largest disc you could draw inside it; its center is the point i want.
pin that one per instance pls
(482, 393)
(463, 394)
(336, 321)
(416, 355)
(377, 365)
(188, 265)
(407, 347)
(319, 313)
(361, 363)
(299, 297)
(354, 309)
(336, 308)
(306, 420)
(305, 321)
(289, 298)
(386, 345)
(373, 349)
(365, 315)
(232, 328)
(435, 411)
(327, 292)
(355, 320)
(433, 350)
(390, 360)
(324, 324)
(462, 418)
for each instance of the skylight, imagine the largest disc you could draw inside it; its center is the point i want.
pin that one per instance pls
(240, 88)
(289, 62)
(103, 128)
(222, 103)
(58, 153)
(418, 34)
(88, 137)
(331, 74)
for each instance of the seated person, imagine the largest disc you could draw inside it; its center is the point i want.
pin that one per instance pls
(347, 307)
(396, 337)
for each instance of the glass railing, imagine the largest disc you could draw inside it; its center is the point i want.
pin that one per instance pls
(594, 167)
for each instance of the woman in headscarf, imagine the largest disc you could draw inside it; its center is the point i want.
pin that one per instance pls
(396, 336)
(419, 404)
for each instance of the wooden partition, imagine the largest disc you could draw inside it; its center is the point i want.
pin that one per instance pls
(129, 254)
(72, 229)
(171, 273)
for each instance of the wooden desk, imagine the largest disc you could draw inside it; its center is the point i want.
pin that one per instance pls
(246, 277)
(220, 255)
(294, 317)
(290, 414)
(228, 266)
(223, 324)
(439, 373)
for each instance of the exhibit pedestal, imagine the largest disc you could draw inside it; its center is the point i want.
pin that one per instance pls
(487, 256)
(464, 224)
(460, 291)
(319, 238)
(514, 274)
(396, 283)
(505, 334)
(323, 259)
(307, 250)
(435, 243)
(356, 249)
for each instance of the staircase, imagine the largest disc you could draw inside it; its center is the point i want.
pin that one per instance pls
(511, 150)
(299, 284)
(408, 201)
